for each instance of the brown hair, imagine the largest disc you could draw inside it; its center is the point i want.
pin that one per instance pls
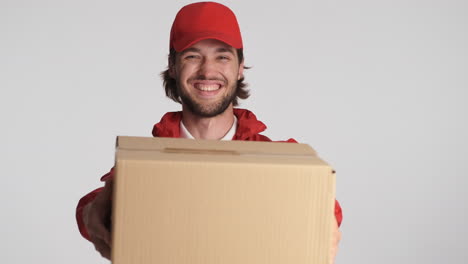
(170, 85)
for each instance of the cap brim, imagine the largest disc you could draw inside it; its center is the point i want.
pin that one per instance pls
(188, 41)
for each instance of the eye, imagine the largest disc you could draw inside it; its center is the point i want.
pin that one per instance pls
(191, 57)
(224, 57)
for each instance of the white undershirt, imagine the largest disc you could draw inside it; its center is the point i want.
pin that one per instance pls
(184, 133)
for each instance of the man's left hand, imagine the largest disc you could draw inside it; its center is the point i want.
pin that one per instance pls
(336, 237)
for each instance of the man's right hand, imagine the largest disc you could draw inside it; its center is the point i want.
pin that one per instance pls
(97, 220)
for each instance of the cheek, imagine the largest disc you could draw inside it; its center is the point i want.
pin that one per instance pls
(231, 72)
(184, 72)
(235, 74)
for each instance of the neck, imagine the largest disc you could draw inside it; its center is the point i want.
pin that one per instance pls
(208, 127)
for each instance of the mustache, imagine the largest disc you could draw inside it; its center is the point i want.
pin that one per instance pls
(204, 78)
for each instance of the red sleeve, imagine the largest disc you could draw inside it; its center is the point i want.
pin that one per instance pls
(85, 201)
(79, 211)
(338, 213)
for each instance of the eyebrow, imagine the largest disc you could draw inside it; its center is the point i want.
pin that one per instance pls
(218, 50)
(190, 50)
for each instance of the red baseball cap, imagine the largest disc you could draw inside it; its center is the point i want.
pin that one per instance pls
(204, 20)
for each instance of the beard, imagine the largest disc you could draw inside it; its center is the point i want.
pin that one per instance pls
(208, 110)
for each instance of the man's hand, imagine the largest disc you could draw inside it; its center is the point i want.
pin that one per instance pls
(97, 218)
(336, 237)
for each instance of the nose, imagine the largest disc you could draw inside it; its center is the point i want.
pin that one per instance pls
(207, 69)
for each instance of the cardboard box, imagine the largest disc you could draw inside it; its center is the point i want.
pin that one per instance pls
(182, 201)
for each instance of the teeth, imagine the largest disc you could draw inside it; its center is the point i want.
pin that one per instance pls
(207, 87)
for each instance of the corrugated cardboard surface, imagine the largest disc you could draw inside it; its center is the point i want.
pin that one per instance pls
(180, 201)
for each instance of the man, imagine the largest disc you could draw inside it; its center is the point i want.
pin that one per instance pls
(205, 74)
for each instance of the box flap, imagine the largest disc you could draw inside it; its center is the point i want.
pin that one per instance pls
(213, 146)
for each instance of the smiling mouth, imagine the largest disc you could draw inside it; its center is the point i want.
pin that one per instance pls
(208, 85)
(207, 88)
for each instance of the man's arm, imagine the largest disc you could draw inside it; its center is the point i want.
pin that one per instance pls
(81, 207)
(93, 215)
(336, 237)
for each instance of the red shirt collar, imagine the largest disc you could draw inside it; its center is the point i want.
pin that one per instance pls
(247, 125)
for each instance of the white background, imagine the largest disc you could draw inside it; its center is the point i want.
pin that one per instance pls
(378, 88)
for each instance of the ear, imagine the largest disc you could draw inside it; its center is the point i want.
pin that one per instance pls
(241, 71)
